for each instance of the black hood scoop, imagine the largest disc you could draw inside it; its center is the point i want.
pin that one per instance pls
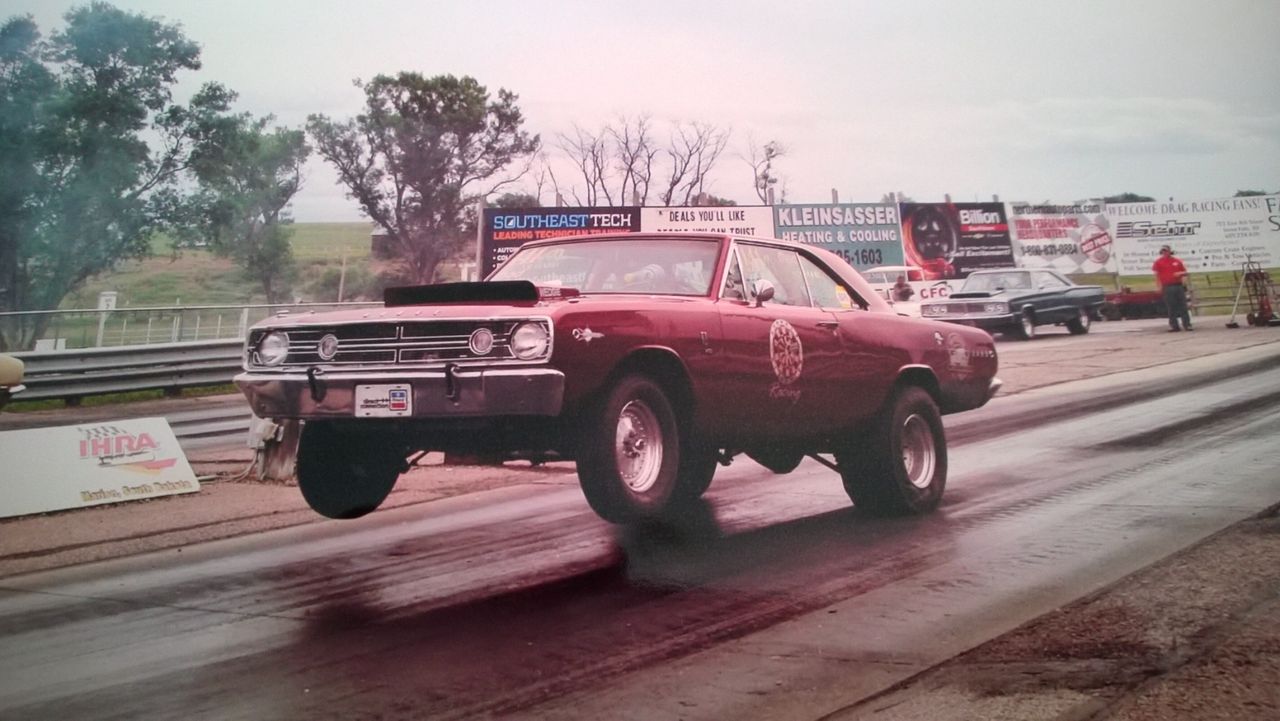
(976, 294)
(501, 291)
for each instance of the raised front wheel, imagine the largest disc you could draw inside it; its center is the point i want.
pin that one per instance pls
(345, 475)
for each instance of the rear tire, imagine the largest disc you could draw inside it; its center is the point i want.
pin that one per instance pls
(697, 469)
(629, 463)
(345, 475)
(899, 466)
(1080, 324)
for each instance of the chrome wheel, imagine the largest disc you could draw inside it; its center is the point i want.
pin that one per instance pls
(1028, 326)
(638, 446)
(900, 464)
(919, 454)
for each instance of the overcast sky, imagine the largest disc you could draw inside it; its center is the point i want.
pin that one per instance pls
(1029, 100)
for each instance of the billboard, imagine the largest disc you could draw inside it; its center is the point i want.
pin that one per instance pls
(1072, 238)
(1208, 235)
(502, 230)
(731, 219)
(50, 469)
(950, 240)
(864, 234)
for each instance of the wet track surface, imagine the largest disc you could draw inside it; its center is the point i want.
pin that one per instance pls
(775, 600)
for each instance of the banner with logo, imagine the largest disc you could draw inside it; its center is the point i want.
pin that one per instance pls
(51, 469)
(951, 240)
(731, 219)
(1067, 238)
(864, 234)
(1208, 235)
(503, 230)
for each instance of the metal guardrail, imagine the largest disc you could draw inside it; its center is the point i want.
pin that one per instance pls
(72, 374)
(146, 325)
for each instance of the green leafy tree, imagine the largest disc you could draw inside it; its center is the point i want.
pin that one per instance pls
(417, 157)
(712, 200)
(82, 188)
(515, 200)
(1128, 198)
(247, 175)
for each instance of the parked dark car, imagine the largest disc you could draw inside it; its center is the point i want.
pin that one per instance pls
(647, 359)
(1016, 301)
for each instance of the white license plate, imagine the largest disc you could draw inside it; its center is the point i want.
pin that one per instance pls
(384, 401)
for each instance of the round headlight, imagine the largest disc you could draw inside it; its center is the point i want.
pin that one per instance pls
(529, 341)
(481, 341)
(273, 348)
(328, 347)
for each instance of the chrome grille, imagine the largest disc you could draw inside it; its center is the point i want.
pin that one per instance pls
(962, 308)
(415, 343)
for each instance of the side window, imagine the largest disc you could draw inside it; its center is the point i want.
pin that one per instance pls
(1048, 280)
(827, 292)
(779, 266)
(734, 288)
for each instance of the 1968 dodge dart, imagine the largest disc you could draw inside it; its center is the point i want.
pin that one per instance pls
(647, 359)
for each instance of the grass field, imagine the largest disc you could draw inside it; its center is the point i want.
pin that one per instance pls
(197, 277)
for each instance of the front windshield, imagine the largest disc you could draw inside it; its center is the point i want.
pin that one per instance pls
(1012, 280)
(643, 265)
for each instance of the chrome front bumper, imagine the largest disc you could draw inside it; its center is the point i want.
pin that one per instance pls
(985, 322)
(435, 394)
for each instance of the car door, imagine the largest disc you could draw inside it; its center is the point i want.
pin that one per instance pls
(869, 357)
(1056, 306)
(781, 357)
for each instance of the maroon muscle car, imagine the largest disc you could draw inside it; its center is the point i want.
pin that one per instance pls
(647, 359)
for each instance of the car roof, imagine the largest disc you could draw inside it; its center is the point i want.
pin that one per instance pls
(864, 289)
(683, 235)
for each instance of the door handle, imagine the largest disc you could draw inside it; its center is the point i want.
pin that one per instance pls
(829, 324)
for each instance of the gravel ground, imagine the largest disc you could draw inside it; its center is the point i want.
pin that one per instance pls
(1196, 636)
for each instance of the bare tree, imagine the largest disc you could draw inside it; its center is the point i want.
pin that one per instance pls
(623, 161)
(761, 159)
(633, 145)
(693, 152)
(590, 153)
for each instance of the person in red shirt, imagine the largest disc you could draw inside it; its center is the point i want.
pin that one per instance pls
(1171, 274)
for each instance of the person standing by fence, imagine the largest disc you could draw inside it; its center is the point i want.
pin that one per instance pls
(1171, 274)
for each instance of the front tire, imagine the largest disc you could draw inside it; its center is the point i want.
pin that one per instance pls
(629, 463)
(1026, 328)
(1080, 324)
(345, 475)
(899, 466)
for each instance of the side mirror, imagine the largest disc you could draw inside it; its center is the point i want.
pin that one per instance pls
(763, 291)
